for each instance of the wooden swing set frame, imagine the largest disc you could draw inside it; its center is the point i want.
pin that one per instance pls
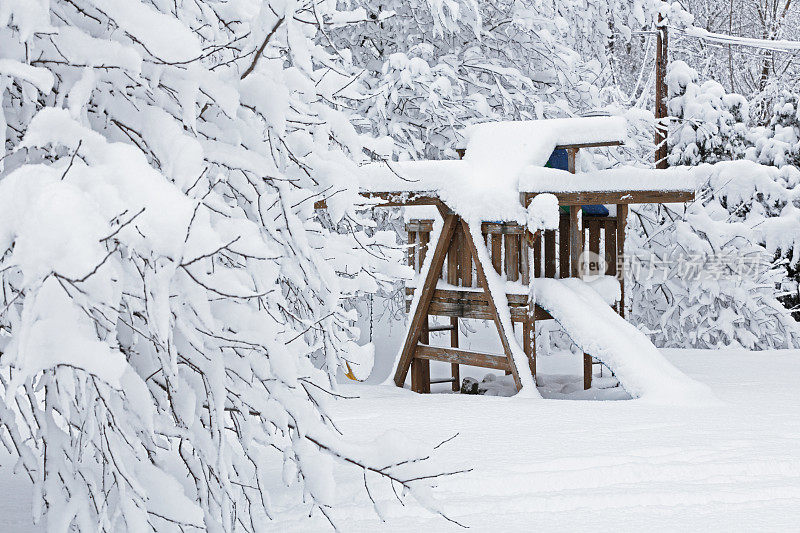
(455, 258)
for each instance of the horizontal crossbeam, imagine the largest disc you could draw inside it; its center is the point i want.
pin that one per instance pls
(462, 357)
(474, 305)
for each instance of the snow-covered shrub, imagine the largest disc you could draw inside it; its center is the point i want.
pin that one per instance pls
(706, 276)
(709, 125)
(778, 143)
(173, 311)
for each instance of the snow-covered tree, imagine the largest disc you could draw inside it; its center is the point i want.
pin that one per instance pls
(709, 125)
(434, 71)
(778, 142)
(173, 310)
(706, 276)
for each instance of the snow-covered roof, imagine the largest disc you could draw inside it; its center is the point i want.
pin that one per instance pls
(506, 158)
(516, 144)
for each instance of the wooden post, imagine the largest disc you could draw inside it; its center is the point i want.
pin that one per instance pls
(622, 221)
(587, 372)
(454, 343)
(661, 95)
(454, 256)
(412, 249)
(563, 248)
(575, 240)
(421, 368)
(550, 253)
(529, 339)
(497, 253)
(611, 246)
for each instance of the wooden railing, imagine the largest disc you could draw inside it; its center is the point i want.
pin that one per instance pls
(508, 249)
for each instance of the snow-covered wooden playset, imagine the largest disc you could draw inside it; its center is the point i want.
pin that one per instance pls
(523, 237)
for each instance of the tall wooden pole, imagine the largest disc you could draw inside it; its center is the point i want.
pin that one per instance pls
(661, 95)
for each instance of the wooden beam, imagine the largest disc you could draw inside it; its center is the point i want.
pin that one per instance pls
(620, 197)
(550, 253)
(652, 196)
(454, 370)
(611, 246)
(587, 371)
(589, 145)
(563, 247)
(420, 369)
(420, 318)
(622, 224)
(575, 241)
(421, 225)
(482, 282)
(461, 357)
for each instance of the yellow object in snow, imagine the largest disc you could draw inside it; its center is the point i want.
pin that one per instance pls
(349, 372)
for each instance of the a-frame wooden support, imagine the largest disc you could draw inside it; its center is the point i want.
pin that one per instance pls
(417, 354)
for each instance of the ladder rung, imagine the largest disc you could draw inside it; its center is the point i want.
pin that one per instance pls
(441, 328)
(443, 380)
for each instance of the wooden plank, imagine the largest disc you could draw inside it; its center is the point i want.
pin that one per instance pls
(405, 198)
(496, 243)
(421, 370)
(589, 145)
(575, 241)
(424, 240)
(537, 257)
(465, 265)
(411, 252)
(420, 318)
(524, 257)
(594, 241)
(572, 152)
(587, 372)
(471, 295)
(594, 234)
(563, 247)
(461, 357)
(502, 228)
(622, 197)
(622, 224)
(420, 376)
(480, 311)
(419, 224)
(550, 253)
(454, 370)
(452, 258)
(529, 343)
(495, 315)
(512, 257)
(611, 246)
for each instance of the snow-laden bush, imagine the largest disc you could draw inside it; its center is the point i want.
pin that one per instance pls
(709, 125)
(778, 143)
(706, 276)
(173, 311)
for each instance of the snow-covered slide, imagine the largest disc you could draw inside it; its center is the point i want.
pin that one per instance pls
(600, 332)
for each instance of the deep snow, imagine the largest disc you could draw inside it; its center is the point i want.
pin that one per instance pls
(578, 465)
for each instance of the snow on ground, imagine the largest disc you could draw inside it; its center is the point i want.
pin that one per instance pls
(576, 465)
